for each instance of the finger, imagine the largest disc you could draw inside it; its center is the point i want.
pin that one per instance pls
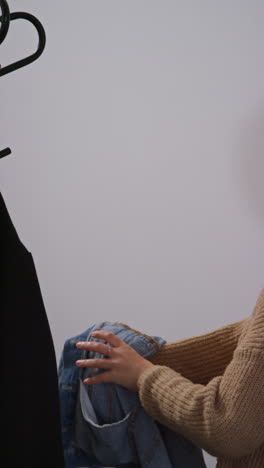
(96, 346)
(97, 379)
(97, 363)
(108, 336)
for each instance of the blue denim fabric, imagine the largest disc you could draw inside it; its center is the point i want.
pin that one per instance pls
(105, 424)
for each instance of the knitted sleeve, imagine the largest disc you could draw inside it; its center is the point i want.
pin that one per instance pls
(224, 417)
(202, 357)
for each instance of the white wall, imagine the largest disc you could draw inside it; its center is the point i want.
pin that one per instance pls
(136, 178)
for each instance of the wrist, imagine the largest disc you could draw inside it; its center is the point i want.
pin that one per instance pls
(145, 365)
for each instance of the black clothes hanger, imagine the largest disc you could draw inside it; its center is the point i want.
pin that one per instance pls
(31, 410)
(5, 21)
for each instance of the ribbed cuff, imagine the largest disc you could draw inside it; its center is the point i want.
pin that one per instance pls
(146, 378)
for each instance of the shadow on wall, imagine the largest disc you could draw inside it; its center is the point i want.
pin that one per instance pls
(251, 164)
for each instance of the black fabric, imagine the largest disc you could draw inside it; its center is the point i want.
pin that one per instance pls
(30, 416)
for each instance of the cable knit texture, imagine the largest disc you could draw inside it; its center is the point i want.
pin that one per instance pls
(210, 388)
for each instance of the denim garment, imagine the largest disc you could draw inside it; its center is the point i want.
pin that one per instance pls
(105, 424)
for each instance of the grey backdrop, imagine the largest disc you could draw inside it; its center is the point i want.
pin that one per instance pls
(136, 178)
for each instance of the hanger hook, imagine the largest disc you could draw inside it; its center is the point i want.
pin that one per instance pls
(42, 42)
(5, 21)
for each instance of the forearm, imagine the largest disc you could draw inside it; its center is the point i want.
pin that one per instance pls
(201, 358)
(212, 415)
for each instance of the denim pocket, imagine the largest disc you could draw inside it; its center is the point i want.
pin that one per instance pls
(108, 444)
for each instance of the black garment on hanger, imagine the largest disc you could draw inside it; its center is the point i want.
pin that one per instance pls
(30, 416)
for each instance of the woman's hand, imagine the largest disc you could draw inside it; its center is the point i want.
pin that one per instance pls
(124, 365)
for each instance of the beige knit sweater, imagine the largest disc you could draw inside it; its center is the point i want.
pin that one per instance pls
(210, 388)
